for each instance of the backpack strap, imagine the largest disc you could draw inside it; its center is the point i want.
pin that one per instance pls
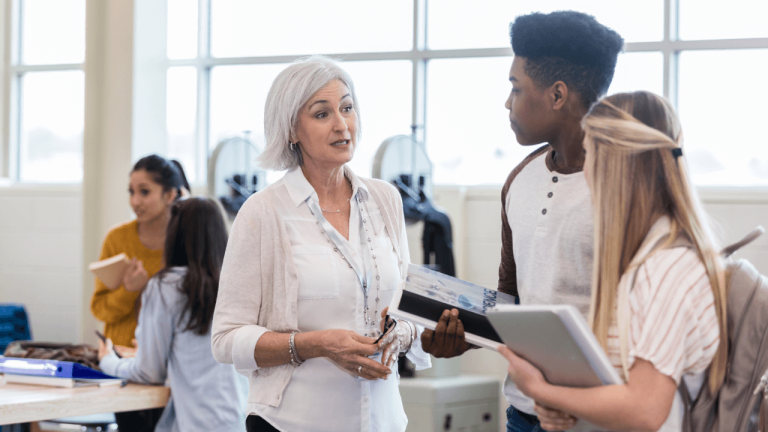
(685, 395)
(749, 238)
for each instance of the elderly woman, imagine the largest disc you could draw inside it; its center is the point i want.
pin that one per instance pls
(312, 262)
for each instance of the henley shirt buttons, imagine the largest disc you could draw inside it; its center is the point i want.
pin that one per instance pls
(549, 195)
(544, 211)
(554, 179)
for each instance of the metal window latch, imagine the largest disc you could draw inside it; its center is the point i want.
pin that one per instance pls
(762, 386)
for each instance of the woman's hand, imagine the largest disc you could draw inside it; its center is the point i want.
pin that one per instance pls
(526, 376)
(397, 339)
(349, 350)
(135, 277)
(552, 419)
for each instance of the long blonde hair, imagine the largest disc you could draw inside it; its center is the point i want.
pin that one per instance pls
(636, 179)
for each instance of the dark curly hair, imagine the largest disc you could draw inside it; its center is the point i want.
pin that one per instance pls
(567, 46)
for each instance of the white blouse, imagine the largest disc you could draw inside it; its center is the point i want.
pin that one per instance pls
(322, 396)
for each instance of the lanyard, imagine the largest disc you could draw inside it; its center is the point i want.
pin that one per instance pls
(364, 275)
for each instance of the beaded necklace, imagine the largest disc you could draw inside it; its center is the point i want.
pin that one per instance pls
(364, 274)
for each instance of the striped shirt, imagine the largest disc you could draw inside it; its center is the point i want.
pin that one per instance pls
(673, 322)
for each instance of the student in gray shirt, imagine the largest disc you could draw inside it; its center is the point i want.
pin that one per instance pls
(174, 331)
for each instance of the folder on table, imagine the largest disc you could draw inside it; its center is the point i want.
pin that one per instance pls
(52, 372)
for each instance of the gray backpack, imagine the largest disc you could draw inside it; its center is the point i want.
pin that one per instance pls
(734, 407)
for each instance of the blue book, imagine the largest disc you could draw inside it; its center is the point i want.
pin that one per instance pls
(50, 368)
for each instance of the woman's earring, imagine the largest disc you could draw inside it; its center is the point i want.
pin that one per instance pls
(292, 145)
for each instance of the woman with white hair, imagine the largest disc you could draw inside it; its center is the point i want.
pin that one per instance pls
(311, 263)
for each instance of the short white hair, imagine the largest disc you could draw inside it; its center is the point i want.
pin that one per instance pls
(289, 92)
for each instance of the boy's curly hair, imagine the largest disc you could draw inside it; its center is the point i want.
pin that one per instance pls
(567, 46)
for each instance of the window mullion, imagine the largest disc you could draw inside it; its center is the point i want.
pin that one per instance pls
(14, 127)
(12, 82)
(203, 87)
(203, 121)
(6, 77)
(671, 55)
(418, 95)
(204, 29)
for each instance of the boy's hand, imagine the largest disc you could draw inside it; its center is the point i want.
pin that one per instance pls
(447, 340)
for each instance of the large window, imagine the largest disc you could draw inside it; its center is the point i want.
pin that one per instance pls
(44, 83)
(442, 66)
(436, 68)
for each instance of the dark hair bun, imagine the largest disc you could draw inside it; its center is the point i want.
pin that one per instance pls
(168, 174)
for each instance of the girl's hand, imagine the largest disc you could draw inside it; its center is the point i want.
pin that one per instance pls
(349, 350)
(135, 277)
(127, 352)
(525, 375)
(105, 348)
(552, 419)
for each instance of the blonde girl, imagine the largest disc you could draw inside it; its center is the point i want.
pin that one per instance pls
(658, 296)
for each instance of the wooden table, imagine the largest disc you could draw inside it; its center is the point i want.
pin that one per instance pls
(22, 403)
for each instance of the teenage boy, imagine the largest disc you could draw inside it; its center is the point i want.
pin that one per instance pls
(563, 62)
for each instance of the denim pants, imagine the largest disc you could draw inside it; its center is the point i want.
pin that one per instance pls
(516, 422)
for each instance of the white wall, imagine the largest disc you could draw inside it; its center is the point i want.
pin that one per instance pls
(40, 258)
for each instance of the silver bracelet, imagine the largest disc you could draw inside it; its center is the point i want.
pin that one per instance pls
(411, 327)
(295, 360)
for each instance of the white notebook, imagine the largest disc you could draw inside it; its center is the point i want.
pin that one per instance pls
(558, 341)
(110, 271)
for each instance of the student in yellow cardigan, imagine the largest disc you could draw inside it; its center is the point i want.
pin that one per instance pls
(155, 184)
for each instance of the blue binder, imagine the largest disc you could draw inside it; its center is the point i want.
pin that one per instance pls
(49, 368)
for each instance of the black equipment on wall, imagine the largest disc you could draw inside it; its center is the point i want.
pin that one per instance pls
(233, 174)
(437, 239)
(401, 159)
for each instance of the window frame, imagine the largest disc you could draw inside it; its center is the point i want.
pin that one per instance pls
(12, 73)
(670, 47)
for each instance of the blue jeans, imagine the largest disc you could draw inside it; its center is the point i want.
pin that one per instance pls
(517, 423)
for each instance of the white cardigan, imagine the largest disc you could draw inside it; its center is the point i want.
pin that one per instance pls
(266, 293)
